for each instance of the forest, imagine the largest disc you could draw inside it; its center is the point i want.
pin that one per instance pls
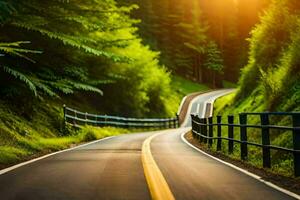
(205, 41)
(137, 58)
(253, 43)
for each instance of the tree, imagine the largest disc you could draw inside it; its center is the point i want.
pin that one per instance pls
(214, 60)
(75, 47)
(273, 67)
(179, 28)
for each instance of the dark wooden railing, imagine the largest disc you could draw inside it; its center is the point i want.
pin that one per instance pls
(77, 118)
(203, 129)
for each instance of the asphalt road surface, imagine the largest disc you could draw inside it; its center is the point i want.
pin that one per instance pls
(198, 104)
(112, 169)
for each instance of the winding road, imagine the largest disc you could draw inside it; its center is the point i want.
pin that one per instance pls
(134, 166)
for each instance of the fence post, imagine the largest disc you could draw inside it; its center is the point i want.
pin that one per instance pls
(195, 119)
(210, 131)
(170, 123)
(85, 116)
(219, 141)
(75, 115)
(200, 129)
(96, 120)
(177, 121)
(265, 132)
(197, 126)
(205, 130)
(174, 122)
(296, 143)
(193, 125)
(230, 133)
(243, 136)
(65, 117)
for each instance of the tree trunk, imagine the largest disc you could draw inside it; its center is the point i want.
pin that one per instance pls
(199, 67)
(195, 70)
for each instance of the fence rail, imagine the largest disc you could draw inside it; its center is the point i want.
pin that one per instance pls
(78, 118)
(203, 130)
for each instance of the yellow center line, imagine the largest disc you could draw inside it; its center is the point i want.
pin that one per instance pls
(157, 184)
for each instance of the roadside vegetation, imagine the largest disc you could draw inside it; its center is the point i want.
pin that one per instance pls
(22, 139)
(270, 80)
(42, 131)
(183, 87)
(85, 54)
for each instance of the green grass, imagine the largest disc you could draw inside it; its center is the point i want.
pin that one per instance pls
(228, 84)
(282, 163)
(24, 148)
(184, 87)
(23, 137)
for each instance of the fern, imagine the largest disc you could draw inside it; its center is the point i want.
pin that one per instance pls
(61, 86)
(21, 77)
(14, 48)
(85, 87)
(89, 31)
(69, 86)
(44, 88)
(70, 40)
(6, 9)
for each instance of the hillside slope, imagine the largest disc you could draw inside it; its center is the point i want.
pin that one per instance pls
(25, 134)
(271, 80)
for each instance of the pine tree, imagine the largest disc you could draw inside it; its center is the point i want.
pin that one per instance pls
(214, 60)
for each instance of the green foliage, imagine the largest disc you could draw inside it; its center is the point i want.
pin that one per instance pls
(146, 89)
(20, 138)
(6, 9)
(181, 30)
(270, 81)
(273, 59)
(89, 136)
(184, 87)
(80, 47)
(214, 60)
(14, 48)
(228, 84)
(20, 77)
(77, 35)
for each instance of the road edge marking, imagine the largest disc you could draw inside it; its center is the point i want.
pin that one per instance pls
(272, 185)
(158, 186)
(4, 171)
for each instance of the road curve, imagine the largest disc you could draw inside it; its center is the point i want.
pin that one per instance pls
(198, 104)
(192, 175)
(113, 169)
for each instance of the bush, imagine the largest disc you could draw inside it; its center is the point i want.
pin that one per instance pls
(273, 65)
(145, 89)
(89, 136)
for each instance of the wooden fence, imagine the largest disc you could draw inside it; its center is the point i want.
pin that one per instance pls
(77, 118)
(203, 129)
